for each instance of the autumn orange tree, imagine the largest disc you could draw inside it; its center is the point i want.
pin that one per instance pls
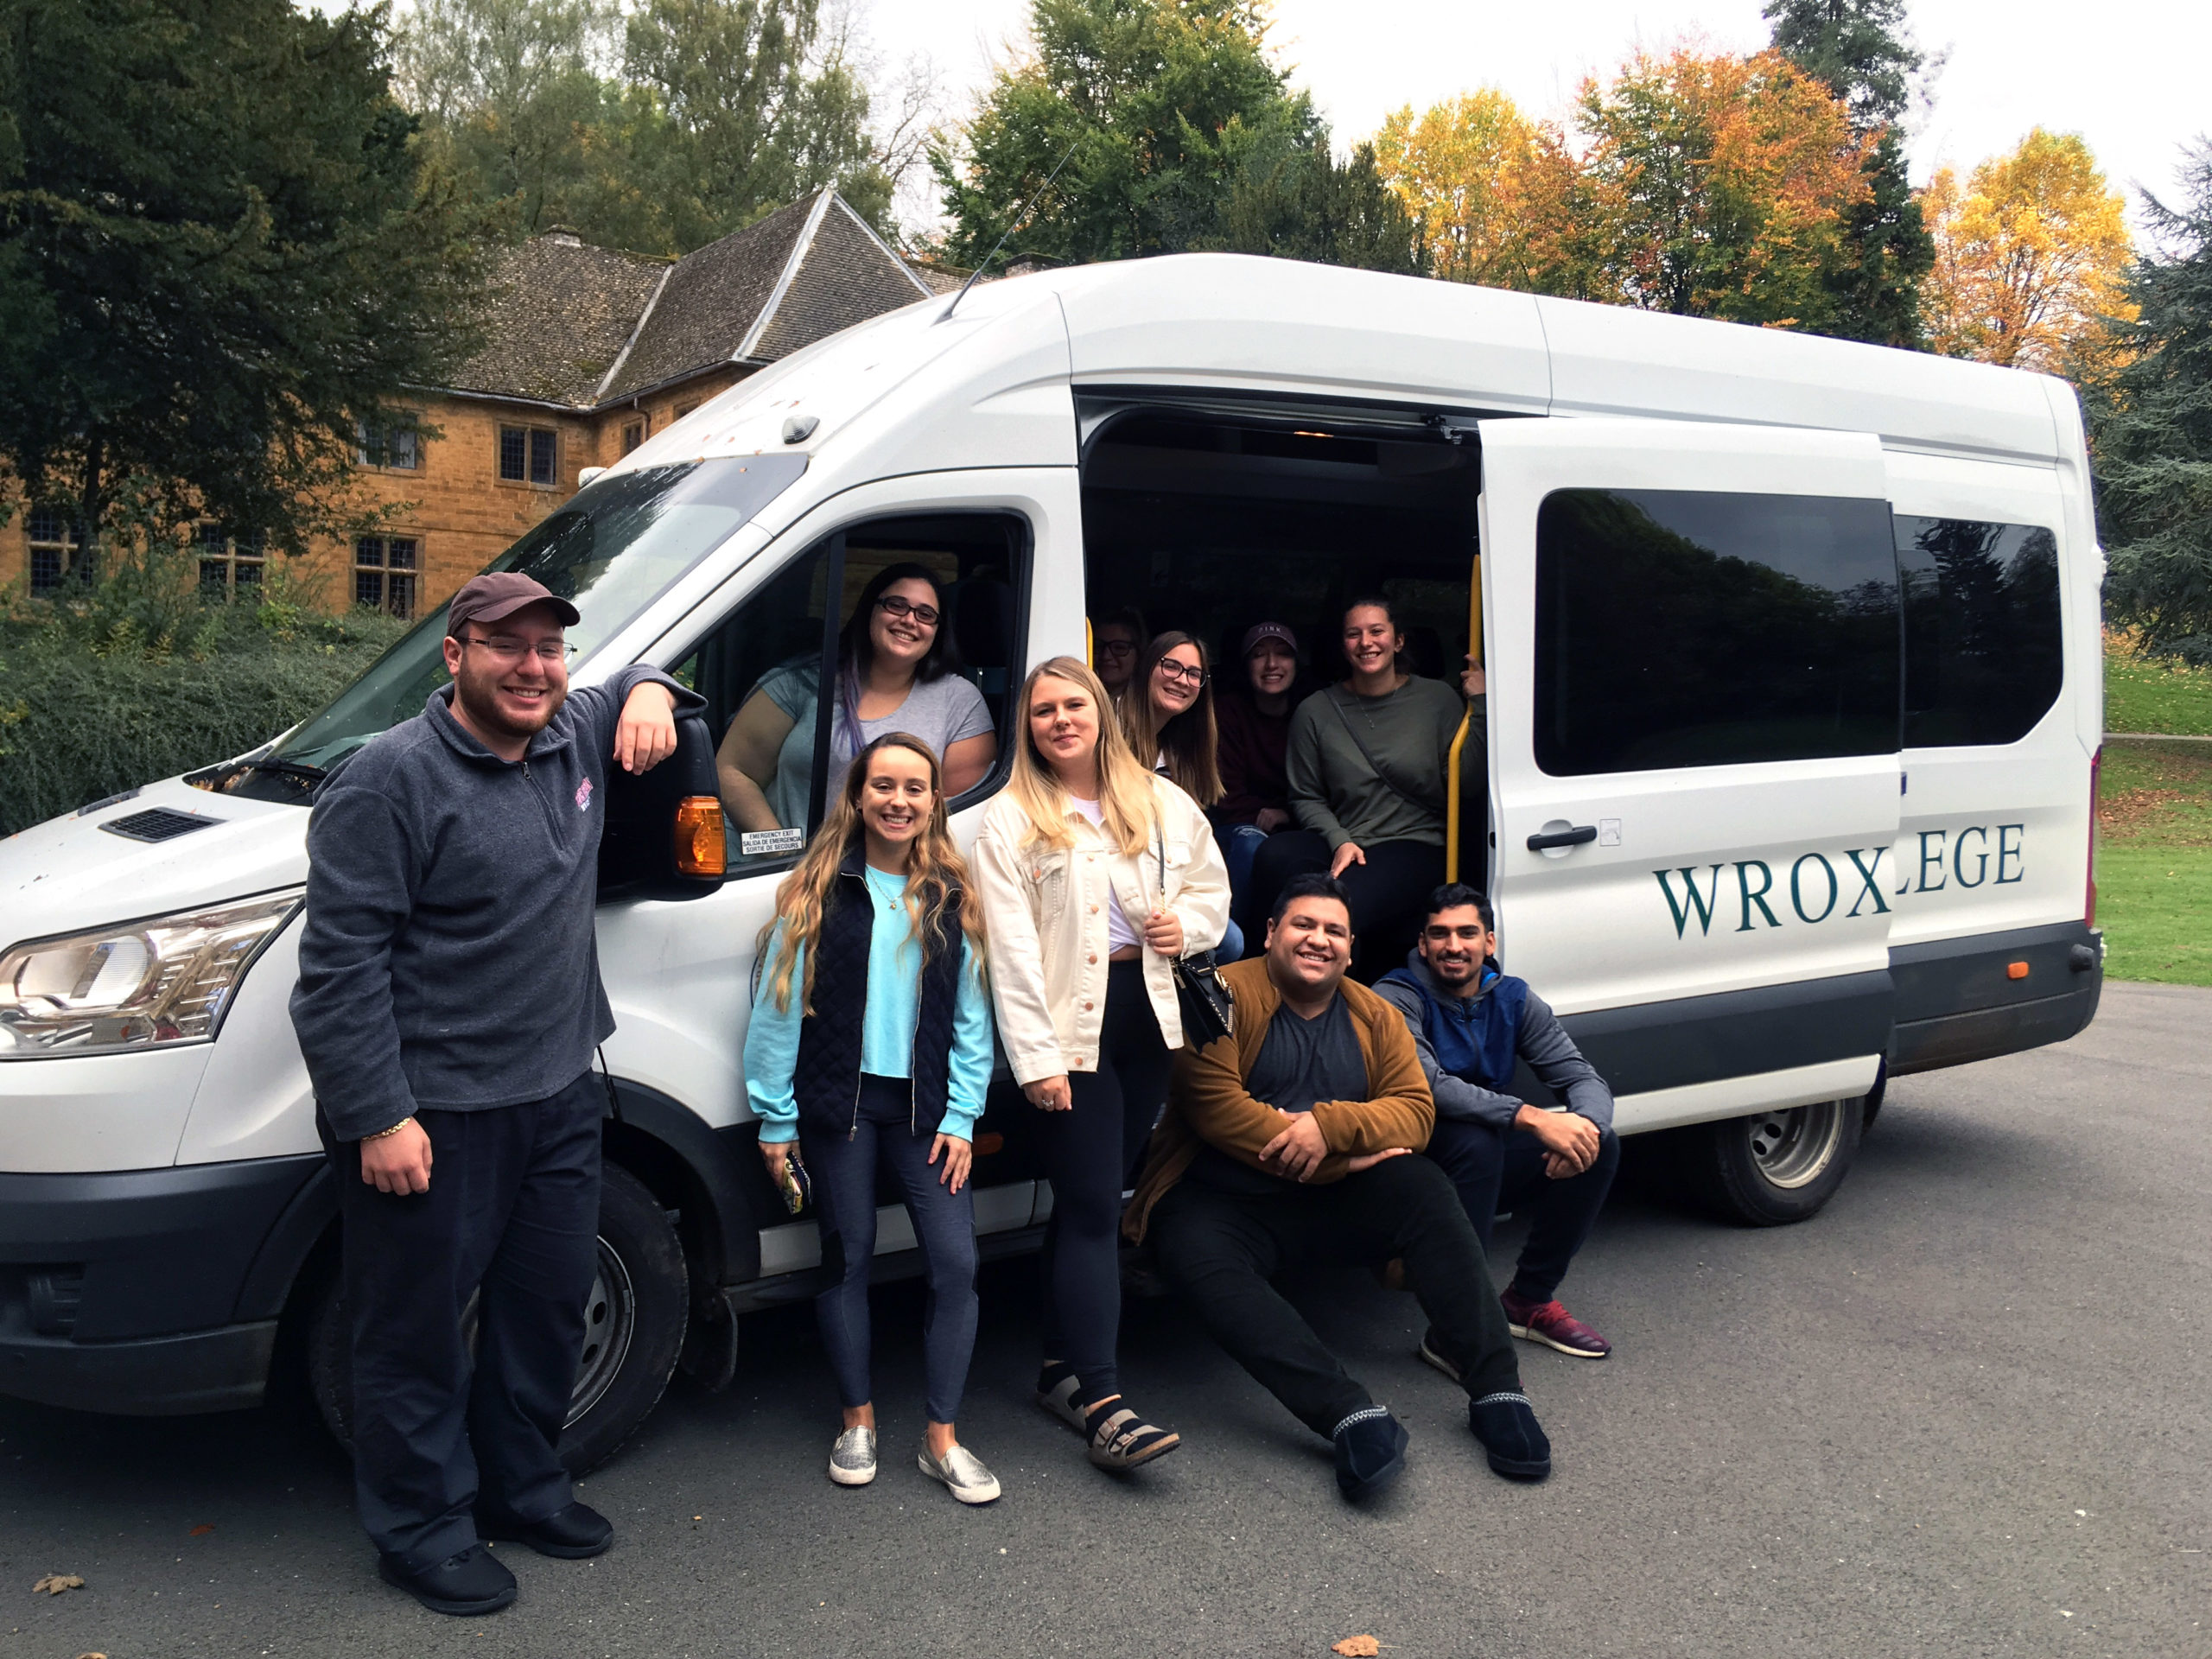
(2032, 259)
(1467, 169)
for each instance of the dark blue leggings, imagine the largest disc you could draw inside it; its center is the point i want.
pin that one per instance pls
(843, 1169)
(1495, 1169)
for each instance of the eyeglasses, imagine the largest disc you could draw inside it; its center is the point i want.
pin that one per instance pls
(507, 649)
(1169, 669)
(893, 604)
(1116, 648)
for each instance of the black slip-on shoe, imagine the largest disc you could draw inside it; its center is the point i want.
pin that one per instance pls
(1507, 1427)
(463, 1585)
(568, 1535)
(1370, 1453)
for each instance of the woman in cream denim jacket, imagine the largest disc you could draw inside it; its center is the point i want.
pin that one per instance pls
(1094, 875)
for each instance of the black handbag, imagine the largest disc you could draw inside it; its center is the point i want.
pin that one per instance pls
(1209, 1011)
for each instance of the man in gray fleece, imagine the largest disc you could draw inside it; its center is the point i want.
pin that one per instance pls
(1471, 1027)
(447, 1007)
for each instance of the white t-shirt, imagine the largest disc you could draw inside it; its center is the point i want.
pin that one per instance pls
(1119, 935)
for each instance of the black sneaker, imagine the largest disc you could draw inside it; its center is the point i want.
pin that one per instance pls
(568, 1535)
(463, 1585)
(1370, 1453)
(1506, 1425)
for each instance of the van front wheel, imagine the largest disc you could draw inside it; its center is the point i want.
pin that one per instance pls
(1776, 1166)
(634, 1321)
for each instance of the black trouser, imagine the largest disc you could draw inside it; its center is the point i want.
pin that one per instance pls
(513, 1210)
(1222, 1249)
(1504, 1169)
(1091, 1157)
(1389, 894)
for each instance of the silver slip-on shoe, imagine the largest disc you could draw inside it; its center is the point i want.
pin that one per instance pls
(962, 1473)
(852, 1460)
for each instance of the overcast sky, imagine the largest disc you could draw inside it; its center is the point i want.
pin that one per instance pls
(2128, 75)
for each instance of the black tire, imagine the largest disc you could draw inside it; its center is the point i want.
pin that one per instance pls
(633, 1330)
(1772, 1168)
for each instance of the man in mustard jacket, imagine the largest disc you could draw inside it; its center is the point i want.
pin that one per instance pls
(1288, 1140)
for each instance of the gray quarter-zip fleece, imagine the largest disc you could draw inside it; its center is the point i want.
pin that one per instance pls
(448, 960)
(1540, 1039)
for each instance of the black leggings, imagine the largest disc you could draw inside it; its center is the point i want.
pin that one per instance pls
(1389, 894)
(1091, 1157)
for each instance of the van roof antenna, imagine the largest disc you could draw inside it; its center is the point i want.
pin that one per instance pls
(1034, 197)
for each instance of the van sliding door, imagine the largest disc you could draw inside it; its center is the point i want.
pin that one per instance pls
(1693, 669)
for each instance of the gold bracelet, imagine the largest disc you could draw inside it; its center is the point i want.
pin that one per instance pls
(394, 1129)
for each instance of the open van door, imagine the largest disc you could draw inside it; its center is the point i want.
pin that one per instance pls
(1693, 651)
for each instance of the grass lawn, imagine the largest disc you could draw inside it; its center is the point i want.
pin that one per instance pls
(2154, 862)
(2144, 695)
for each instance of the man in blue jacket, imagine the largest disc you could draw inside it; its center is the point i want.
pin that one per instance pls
(447, 1008)
(1471, 1026)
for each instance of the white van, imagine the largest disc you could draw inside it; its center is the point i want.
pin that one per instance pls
(1793, 711)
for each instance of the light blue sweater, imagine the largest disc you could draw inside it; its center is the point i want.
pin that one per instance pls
(894, 977)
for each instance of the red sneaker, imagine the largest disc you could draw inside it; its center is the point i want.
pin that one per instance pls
(1554, 1327)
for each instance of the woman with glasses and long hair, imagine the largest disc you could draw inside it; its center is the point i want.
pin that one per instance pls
(1094, 875)
(895, 672)
(870, 1045)
(1168, 714)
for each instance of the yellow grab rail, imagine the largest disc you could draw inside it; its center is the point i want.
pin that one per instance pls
(1466, 724)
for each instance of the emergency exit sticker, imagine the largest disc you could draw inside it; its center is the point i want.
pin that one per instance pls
(755, 843)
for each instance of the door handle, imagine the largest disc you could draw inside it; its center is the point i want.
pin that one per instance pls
(1574, 837)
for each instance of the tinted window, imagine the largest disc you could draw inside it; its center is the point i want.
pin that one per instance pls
(1983, 659)
(1682, 628)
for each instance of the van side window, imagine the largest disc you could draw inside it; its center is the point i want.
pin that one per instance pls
(778, 754)
(1692, 628)
(1983, 655)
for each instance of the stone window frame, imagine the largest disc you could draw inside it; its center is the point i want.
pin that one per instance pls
(381, 581)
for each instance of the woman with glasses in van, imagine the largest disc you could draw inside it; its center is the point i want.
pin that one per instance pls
(1094, 875)
(896, 671)
(870, 1045)
(1168, 714)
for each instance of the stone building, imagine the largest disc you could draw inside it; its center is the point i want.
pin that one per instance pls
(589, 352)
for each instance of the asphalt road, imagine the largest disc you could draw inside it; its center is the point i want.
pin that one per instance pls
(1961, 1413)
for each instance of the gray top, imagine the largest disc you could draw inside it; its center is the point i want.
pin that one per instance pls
(1540, 1039)
(1300, 1061)
(941, 712)
(448, 959)
(1373, 769)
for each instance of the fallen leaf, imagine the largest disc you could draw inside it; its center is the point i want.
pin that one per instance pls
(1358, 1647)
(92, 1655)
(201, 1530)
(54, 1583)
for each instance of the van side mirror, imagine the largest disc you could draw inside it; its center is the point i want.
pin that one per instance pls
(662, 837)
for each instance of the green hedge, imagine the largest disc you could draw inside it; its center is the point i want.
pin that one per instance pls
(81, 718)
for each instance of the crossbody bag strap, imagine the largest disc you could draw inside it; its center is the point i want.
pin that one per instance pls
(1374, 765)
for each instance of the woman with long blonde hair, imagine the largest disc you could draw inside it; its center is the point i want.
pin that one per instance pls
(871, 1045)
(1094, 875)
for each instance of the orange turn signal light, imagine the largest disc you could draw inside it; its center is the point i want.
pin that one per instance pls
(700, 847)
(2016, 970)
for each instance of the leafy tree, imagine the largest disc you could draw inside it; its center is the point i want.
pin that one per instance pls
(218, 251)
(2031, 257)
(1302, 203)
(2152, 428)
(1466, 169)
(1713, 186)
(1860, 50)
(1156, 107)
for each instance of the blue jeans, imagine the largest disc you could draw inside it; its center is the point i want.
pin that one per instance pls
(843, 1169)
(1239, 844)
(1504, 1168)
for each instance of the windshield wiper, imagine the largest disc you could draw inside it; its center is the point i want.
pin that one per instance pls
(299, 769)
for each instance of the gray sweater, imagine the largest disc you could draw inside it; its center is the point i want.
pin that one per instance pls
(448, 960)
(1335, 788)
(1540, 1039)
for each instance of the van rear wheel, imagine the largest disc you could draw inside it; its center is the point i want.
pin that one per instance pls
(634, 1321)
(1776, 1166)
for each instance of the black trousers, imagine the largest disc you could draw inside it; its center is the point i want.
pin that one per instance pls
(1091, 1156)
(1504, 1169)
(1388, 894)
(1221, 1249)
(512, 1212)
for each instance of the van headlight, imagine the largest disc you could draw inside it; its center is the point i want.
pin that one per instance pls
(133, 984)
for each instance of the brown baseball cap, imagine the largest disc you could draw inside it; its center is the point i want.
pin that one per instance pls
(502, 593)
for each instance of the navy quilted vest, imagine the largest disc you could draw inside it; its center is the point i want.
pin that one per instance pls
(827, 1076)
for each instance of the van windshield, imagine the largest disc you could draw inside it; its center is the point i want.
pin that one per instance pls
(611, 550)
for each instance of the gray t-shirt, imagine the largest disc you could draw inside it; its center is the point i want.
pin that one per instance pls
(941, 712)
(1300, 1061)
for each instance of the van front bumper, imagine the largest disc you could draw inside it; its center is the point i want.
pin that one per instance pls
(152, 1292)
